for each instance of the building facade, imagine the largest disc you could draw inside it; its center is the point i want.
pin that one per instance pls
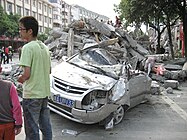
(49, 13)
(57, 15)
(79, 12)
(42, 10)
(61, 13)
(64, 13)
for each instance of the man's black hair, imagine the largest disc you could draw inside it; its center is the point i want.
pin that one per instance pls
(29, 22)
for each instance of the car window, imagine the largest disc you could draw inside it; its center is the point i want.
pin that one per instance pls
(91, 56)
(99, 57)
(111, 59)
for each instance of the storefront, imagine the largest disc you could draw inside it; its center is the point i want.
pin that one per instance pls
(14, 42)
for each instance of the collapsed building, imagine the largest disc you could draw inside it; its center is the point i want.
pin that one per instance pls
(80, 34)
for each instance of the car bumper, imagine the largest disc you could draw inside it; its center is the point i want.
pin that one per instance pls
(84, 116)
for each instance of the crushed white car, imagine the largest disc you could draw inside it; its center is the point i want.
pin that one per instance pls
(92, 86)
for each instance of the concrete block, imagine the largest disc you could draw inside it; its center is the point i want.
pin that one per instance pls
(169, 90)
(171, 83)
(155, 88)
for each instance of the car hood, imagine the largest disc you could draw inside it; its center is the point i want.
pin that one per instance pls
(81, 77)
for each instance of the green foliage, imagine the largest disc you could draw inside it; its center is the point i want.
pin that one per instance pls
(9, 24)
(42, 37)
(149, 12)
(158, 14)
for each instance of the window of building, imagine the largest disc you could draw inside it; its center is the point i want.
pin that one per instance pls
(54, 16)
(26, 12)
(34, 3)
(40, 28)
(40, 5)
(45, 19)
(27, 1)
(55, 9)
(18, 10)
(9, 7)
(50, 10)
(34, 14)
(50, 20)
(40, 17)
(45, 8)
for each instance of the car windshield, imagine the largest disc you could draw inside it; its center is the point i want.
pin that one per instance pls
(96, 60)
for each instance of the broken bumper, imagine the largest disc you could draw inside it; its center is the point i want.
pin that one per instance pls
(84, 116)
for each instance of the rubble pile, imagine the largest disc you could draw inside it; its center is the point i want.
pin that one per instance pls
(67, 41)
(90, 32)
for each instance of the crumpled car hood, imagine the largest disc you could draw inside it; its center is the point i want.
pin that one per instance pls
(81, 77)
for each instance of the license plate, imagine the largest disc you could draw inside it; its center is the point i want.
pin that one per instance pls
(63, 101)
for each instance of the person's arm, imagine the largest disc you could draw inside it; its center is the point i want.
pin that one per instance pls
(16, 110)
(25, 76)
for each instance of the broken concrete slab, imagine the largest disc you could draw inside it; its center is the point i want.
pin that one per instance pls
(171, 83)
(172, 67)
(169, 90)
(155, 88)
(125, 49)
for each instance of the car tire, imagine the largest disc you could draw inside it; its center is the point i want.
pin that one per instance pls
(118, 115)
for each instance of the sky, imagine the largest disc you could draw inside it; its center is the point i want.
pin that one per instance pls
(103, 7)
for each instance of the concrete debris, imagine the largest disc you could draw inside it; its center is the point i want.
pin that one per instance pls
(69, 132)
(91, 32)
(171, 83)
(169, 90)
(184, 66)
(64, 42)
(172, 67)
(155, 88)
(110, 125)
(158, 78)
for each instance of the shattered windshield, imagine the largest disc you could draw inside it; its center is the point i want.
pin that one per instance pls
(93, 59)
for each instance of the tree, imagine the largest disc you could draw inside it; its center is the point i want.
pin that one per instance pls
(158, 14)
(137, 12)
(3, 19)
(182, 11)
(13, 26)
(171, 17)
(9, 24)
(44, 36)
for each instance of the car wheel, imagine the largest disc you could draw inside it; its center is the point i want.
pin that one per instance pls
(118, 115)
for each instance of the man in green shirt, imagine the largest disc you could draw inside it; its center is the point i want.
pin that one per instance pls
(36, 63)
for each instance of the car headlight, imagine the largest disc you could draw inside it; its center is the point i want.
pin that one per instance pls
(94, 95)
(100, 94)
(95, 99)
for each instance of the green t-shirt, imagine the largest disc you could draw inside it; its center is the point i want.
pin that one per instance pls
(35, 55)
